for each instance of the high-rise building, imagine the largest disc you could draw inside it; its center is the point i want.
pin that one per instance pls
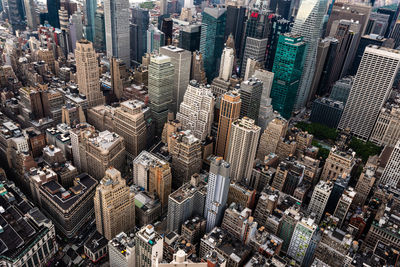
(250, 94)
(196, 111)
(370, 84)
(90, 16)
(229, 112)
(255, 49)
(114, 205)
(138, 37)
(221, 84)
(242, 148)
(161, 84)
(387, 126)
(186, 202)
(155, 39)
(148, 246)
(391, 173)
(327, 112)
(266, 112)
(235, 19)
(189, 37)
(100, 30)
(116, 19)
(185, 151)
(378, 24)
(338, 162)
(319, 199)
(212, 39)
(32, 16)
(197, 70)
(166, 28)
(52, 13)
(343, 205)
(288, 67)
(181, 60)
(217, 192)
(341, 89)
(290, 218)
(121, 250)
(308, 24)
(87, 72)
(129, 122)
(269, 140)
(364, 184)
(301, 246)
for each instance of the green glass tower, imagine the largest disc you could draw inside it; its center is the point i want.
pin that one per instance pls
(288, 67)
(212, 39)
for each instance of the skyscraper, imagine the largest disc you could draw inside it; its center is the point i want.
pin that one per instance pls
(100, 31)
(87, 72)
(221, 84)
(391, 173)
(235, 19)
(114, 205)
(181, 59)
(90, 15)
(161, 82)
(155, 39)
(229, 112)
(269, 140)
(189, 37)
(138, 37)
(196, 112)
(217, 192)
(197, 71)
(308, 24)
(319, 199)
(288, 66)
(242, 148)
(116, 18)
(32, 17)
(250, 93)
(52, 13)
(255, 49)
(266, 113)
(212, 38)
(373, 81)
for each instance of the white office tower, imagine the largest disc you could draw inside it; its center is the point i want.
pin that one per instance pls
(319, 199)
(300, 245)
(391, 173)
(227, 59)
(266, 113)
(217, 192)
(116, 21)
(243, 148)
(196, 112)
(308, 23)
(371, 88)
(181, 59)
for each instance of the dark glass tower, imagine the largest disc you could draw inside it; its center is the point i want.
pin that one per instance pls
(212, 39)
(166, 28)
(189, 37)
(279, 26)
(15, 11)
(90, 17)
(288, 67)
(52, 13)
(100, 31)
(138, 34)
(235, 18)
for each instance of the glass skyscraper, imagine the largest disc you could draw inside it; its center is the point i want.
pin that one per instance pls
(52, 13)
(288, 67)
(138, 33)
(308, 23)
(90, 14)
(212, 39)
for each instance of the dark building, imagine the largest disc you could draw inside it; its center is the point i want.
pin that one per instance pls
(364, 42)
(138, 34)
(339, 186)
(100, 31)
(392, 18)
(327, 112)
(52, 13)
(284, 9)
(166, 28)
(235, 18)
(189, 37)
(15, 11)
(279, 26)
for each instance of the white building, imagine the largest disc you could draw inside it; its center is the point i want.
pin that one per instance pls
(243, 148)
(149, 246)
(196, 112)
(391, 173)
(266, 113)
(227, 59)
(217, 192)
(319, 199)
(121, 250)
(371, 88)
(180, 260)
(181, 59)
(308, 23)
(141, 167)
